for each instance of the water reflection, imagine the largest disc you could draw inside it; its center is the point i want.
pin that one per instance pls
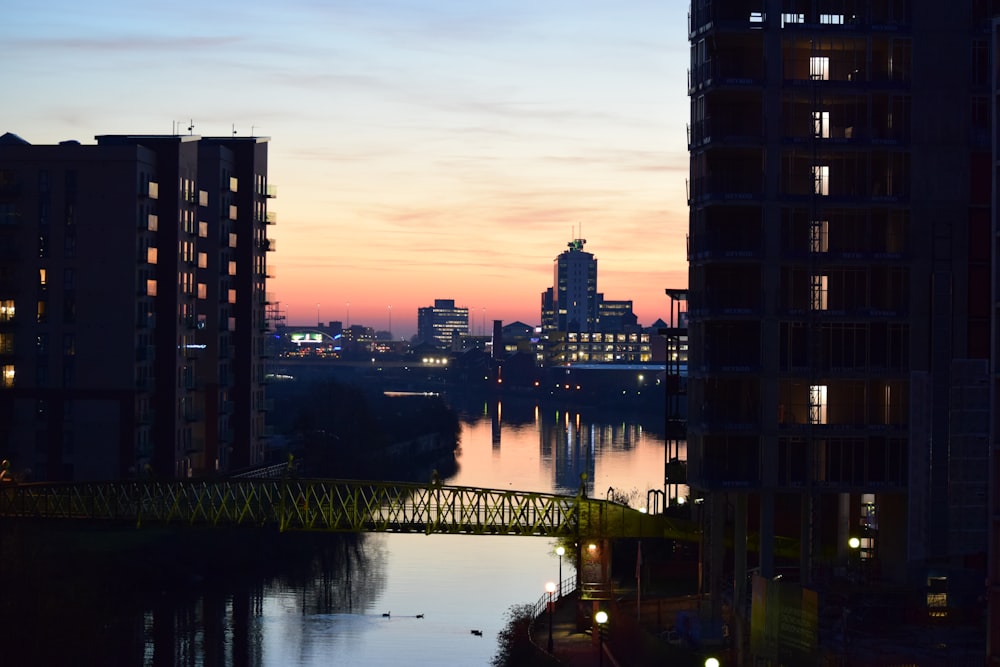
(205, 597)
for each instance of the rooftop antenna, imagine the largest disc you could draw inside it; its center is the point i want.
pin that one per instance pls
(191, 126)
(251, 131)
(234, 129)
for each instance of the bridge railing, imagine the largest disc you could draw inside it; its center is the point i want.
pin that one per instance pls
(329, 505)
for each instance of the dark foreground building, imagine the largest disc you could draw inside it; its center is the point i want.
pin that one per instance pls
(132, 305)
(840, 291)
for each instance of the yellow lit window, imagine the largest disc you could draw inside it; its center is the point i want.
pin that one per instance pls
(817, 404)
(819, 68)
(821, 180)
(232, 296)
(202, 291)
(232, 268)
(42, 274)
(8, 375)
(202, 260)
(818, 286)
(151, 255)
(151, 287)
(6, 310)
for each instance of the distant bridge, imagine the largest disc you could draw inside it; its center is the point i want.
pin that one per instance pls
(337, 506)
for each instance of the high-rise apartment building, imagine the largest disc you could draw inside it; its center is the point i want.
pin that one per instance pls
(132, 305)
(571, 303)
(839, 285)
(441, 323)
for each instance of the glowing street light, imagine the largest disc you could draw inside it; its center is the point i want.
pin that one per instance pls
(559, 552)
(712, 662)
(602, 619)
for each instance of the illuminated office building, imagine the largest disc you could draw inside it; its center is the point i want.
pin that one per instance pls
(442, 323)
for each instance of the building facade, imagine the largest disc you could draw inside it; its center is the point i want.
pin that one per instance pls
(839, 299)
(440, 323)
(132, 280)
(571, 304)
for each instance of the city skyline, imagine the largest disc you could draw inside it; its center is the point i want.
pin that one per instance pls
(419, 149)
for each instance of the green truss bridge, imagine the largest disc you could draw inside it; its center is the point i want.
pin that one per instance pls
(337, 506)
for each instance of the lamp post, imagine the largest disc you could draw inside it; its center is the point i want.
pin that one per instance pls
(602, 618)
(559, 552)
(712, 662)
(550, 587)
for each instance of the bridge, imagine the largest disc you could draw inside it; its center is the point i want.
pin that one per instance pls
(337, 506)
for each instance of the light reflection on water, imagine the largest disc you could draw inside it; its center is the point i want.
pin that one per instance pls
(460, 583)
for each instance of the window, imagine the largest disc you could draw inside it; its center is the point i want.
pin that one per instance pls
(792, 18)
(6, 343)
(7, 379)
(819, 235)
(819, 68)
(151, 255)
(818, 286)
(6, 310)
(817, 404)
(821, 180)
(151, 287)
(42, 275)
(41, 312)
(821, 124)
(202, 291)
(831, 19)
(202, 260)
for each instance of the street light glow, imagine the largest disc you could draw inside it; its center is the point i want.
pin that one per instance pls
(601, 617)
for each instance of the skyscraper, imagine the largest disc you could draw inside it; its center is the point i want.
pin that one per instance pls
(839, 296)
(571, 303)
(132, 287)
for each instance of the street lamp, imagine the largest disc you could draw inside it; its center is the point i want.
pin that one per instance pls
(712, 662)
(560, 551)
(550, 587)
(602, 618)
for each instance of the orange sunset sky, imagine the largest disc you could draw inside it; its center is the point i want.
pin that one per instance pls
(422, 149)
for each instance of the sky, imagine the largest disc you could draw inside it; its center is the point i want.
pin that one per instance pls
(421, 149)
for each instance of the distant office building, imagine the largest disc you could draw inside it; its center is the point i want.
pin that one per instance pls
(615, 316)
(571, 303)
(132, 305)
(839, 301)
(441, 323)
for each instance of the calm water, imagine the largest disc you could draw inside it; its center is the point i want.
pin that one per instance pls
(334, 615)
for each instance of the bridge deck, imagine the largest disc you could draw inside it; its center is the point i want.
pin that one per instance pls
(339, 506)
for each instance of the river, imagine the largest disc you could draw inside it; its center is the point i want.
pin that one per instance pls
(403, 599)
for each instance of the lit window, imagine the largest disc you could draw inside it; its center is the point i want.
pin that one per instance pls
(151, 255)
(831, 19)
(151, 287)
(819, 68)
(792, 18)
(821, 180)
(202, 260)
(818, 286)
(8, 375)
(819, 235)
(202, 291)
(203, 230)
(6, 310)
(152, 222)
(232, 268)
(42, 277)
(821, 124)
(232, 296)
(817, 404)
